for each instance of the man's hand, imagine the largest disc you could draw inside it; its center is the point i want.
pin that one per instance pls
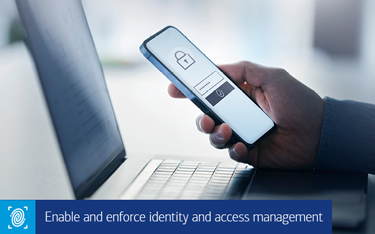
(296, 109)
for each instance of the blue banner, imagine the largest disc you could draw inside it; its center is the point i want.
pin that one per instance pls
(104, 216)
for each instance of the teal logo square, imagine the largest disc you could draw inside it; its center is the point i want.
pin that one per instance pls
(17, 216)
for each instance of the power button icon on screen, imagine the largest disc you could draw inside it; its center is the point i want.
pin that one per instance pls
(220, 93)
(184, 59)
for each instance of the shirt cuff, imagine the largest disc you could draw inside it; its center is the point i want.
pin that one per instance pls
(347, 141)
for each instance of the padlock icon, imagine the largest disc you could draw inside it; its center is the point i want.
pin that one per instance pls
(184, 59)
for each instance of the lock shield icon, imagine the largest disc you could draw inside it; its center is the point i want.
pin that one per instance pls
(184, 59)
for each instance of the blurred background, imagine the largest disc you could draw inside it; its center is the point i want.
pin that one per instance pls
(327, 44)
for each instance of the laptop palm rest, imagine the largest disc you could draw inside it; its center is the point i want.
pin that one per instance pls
(347, 191)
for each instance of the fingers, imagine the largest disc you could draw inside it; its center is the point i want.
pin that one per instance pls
(251, 73)
(238, 152)
(205, 124)
(220, 136)
(174, 92)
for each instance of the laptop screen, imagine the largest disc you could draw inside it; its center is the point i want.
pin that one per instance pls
(74, 87)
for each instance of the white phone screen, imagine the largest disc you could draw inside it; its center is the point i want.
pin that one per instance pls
(210, 85)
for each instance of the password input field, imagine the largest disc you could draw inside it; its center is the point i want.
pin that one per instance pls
(208, 83)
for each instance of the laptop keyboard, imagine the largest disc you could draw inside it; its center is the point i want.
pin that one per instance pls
(188, 180)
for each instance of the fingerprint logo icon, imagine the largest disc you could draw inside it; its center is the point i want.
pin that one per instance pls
(17, 217)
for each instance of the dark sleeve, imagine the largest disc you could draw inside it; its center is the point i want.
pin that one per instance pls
(348, 137)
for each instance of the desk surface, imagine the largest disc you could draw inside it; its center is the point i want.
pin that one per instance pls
(31, 165)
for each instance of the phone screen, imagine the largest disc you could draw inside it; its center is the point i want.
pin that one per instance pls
(209, 84)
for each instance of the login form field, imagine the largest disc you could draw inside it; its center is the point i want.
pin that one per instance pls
(209, 84)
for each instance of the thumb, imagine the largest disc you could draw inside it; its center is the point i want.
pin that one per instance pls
(251, 73)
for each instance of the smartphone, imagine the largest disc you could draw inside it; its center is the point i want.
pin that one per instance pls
(206, 85)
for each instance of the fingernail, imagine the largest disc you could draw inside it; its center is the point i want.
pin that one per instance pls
(233, 154)
(198, 122)
(218, 134)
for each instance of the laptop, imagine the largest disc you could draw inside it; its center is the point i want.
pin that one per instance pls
(72, 80)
